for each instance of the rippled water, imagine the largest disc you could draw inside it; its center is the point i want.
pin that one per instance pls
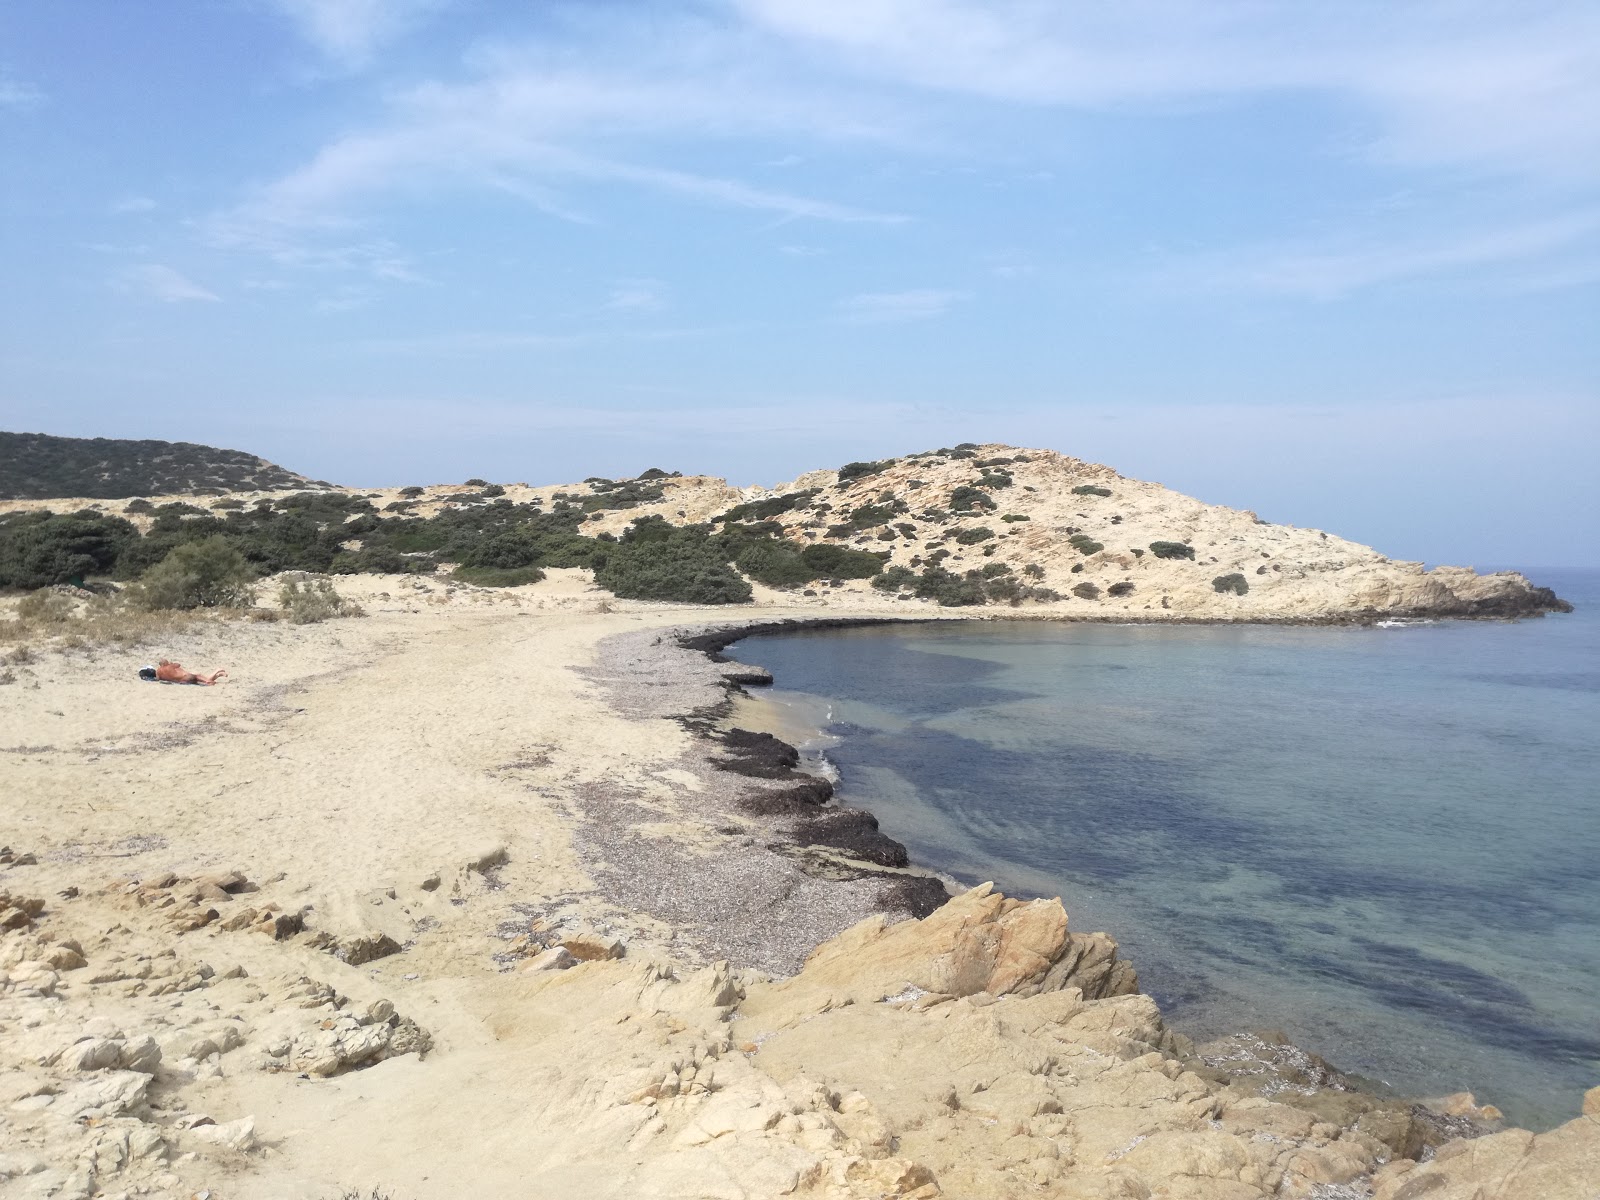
(1385, 842)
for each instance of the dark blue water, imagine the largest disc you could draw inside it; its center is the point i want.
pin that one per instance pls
(1385, 842)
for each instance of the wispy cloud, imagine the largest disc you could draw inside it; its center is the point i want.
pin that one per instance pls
(14, 93)
(1327, 272)
(636, 295)
(160, 282)
(350, 31)
(1509, 87)
(919, 304)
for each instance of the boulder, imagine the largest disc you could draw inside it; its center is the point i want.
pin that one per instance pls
(557, 958)
(980, 942)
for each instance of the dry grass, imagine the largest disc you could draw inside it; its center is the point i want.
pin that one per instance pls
(67, 619)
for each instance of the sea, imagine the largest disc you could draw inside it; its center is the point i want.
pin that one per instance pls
(1383, 841)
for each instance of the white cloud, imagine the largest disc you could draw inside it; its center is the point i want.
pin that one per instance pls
(163, 283)
(350, 31)
(918, 304)
(16, 94)
(1328, 272)
(1508, 87)
(636, 295)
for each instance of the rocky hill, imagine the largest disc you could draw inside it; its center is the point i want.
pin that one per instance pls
(971, 525)
(38, 466)
(1029, 523)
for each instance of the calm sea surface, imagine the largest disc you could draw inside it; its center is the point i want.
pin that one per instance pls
(1385, 842)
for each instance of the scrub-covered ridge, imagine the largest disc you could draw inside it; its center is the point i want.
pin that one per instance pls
(965, 526)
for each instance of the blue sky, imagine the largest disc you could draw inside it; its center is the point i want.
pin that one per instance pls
(1336, 261)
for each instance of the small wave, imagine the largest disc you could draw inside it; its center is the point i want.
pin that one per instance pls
(1404, 622)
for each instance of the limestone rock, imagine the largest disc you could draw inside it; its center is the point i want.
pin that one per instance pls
(979, 942)
(366, 948)
(586, 945)
(235, 1135)
(557, 958)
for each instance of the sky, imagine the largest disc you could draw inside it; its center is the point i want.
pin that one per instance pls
(1336, 261)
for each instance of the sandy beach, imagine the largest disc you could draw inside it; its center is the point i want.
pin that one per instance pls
(463, 897)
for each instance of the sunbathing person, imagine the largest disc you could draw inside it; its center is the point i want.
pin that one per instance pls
(171, 672)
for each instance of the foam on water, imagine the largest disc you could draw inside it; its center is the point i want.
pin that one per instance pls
(1385, 842)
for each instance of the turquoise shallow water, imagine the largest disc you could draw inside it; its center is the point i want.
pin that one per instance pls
(1385, 842)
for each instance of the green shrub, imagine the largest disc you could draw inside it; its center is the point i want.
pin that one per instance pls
(1089, 489)
(765, 510)
(1138, 553)
(140, 505)
(1171, 550)
(203, 574)
(1125, 588)
(995, 570)
(894, 579)
(655, 561)
(1016, 517)
(949, 589)
(859, 470)
(477, 483)
(39, 549)
(1033, 571)
(1084, 544)
(970, 499)
(994, 479)
(774, 562)
(411, 493)
(1235, 583)
(971, 537)
(308, 599)
(839, 562)
(497, 576)
(493, 490)
(514, 549)
(1086, 591)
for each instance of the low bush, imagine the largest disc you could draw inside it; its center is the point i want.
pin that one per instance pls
(1172, 550)
(970, 499)
(493, 490)
(831, 561)
(971, 537)
(1125, 588)
(949, 589)
(655, 561)
(1089, 489)
(47, 606)
(774, 562)
(477, 483)
(1235, 583)
(894, 579)
(1086, 591)
(765, 510)
(1084, 544)
(203, 574)
(1016, 517)
(1033, 571)
(859, 470)
(994, 479)
(497, 576)
(995, 570)
(411, 493)
(40, 549)
(307, 599)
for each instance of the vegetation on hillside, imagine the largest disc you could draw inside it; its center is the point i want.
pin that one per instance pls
(38, 466)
